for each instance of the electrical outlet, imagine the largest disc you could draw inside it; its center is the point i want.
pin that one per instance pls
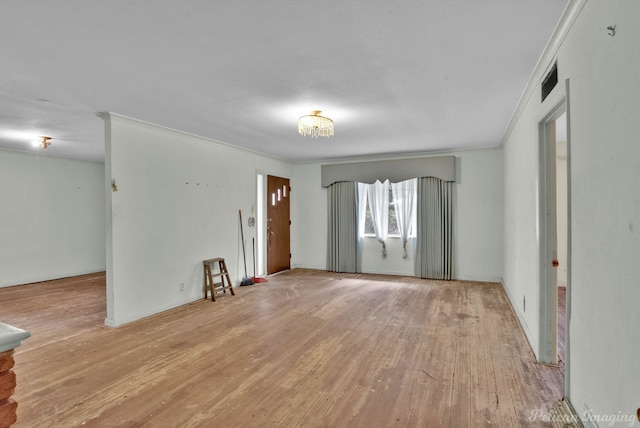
(182, 286)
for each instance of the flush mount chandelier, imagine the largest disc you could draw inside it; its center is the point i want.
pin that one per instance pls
(315, 125)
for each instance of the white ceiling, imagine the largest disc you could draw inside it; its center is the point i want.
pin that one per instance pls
(396, 77)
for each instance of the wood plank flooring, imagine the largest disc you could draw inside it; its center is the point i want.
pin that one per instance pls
(307, 349)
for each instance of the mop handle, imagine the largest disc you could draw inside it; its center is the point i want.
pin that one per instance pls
(244, 257)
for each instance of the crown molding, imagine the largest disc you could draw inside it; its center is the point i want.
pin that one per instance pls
(548, 57)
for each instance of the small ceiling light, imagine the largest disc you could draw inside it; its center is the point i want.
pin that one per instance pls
(315, 125)
(45, 142)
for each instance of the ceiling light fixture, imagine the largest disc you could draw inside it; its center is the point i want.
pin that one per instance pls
(315, 125)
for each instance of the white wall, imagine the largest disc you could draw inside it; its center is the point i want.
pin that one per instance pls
(52, 216)
(520, 227)
(603, 354)
(393, 264)
(308, 218)
(177, 204)
(477, 227)
(479, 215)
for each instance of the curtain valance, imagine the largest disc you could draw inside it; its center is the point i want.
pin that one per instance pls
(442, 167)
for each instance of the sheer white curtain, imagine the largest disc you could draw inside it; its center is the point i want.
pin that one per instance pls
(362, 218)
(404, 200)
(379, 206)
(363, 188)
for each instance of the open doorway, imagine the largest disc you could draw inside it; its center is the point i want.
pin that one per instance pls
(561, 231)
(554, 232)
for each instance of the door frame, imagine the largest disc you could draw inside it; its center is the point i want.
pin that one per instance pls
(278, 255)
(556, 105)
(261, 218)
(261, 222)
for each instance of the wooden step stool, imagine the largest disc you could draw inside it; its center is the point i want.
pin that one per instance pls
(210, 276)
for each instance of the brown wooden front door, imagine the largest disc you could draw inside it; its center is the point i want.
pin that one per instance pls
(278, 224)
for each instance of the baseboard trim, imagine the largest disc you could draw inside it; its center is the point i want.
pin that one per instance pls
(533, 342)
(479, 278)
(113, 323)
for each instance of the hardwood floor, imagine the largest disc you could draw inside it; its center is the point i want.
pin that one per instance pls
(308, 348)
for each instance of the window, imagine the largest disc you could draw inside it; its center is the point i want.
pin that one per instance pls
(392, 219)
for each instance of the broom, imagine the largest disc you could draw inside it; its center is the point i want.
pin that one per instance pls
(245, 280)
(255, 278)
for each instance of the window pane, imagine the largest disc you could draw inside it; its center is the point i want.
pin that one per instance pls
(393, 220)
(368, 221)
